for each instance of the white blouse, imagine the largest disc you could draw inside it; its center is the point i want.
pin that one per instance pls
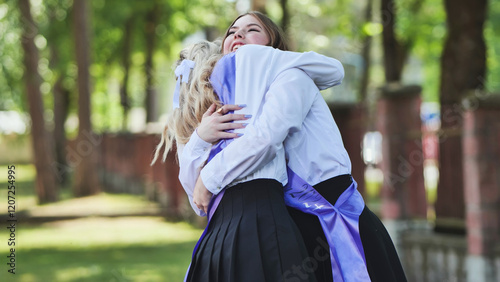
(289, 115)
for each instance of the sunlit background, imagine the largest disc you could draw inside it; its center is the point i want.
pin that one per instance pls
(121, 236)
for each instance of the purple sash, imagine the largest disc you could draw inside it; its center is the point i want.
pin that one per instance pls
(223, 80)
(340, 224)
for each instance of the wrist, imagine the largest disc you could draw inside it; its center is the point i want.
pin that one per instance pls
(207, 177)
(202, 135)
(196, 143)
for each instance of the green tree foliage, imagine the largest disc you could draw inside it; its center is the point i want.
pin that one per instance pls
(492, 35)
(178, 19)
(11, 56)
(330, 26)
(427, 29)
(324, 26)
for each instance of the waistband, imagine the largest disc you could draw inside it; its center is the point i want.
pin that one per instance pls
(257, 184)
(332, 188)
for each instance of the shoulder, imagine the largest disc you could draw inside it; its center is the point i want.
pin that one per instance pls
(226, 58)
(256, 56)
(255, 49)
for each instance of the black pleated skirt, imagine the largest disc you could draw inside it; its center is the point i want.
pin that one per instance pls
(251, 237)
(382, 260)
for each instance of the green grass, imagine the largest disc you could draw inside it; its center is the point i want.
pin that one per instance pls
(93, 247)
(134, 263)
(24, 187)
(102, 249)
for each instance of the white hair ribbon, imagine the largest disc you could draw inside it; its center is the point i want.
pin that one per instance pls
(184, 69)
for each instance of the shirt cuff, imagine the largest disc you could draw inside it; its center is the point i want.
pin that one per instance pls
(197, 144)
(208, 178)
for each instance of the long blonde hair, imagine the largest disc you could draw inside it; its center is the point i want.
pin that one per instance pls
(195, 96)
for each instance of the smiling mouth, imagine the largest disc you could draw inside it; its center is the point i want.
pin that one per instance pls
(235, 47)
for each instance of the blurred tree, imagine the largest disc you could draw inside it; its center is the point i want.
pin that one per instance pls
(395, 50)
(365, 53)
(86, 180)
(285, 18)
(492, 34)
(463, 68)
(12, 95)
(57, 33)
(126, 52)
(342, 29)
(427, 29)
(114, 46)
(133, 44)
(46, 186)
(151, 22)
(61, 107)
(259, 5)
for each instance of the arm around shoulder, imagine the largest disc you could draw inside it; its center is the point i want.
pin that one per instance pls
(323, 70)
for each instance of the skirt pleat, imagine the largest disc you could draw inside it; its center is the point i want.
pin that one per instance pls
(251, 237)
(217, 250)
(273, 251)
(248, 242)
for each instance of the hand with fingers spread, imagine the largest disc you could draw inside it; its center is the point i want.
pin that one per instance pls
(215, 125)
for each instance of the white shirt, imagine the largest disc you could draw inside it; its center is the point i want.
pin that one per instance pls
(291, 108)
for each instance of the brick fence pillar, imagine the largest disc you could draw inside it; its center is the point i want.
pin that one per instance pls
(351, 120)
(449, 205)
(398, 120)
(481, 161)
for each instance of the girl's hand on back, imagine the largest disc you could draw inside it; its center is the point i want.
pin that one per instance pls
(214, 124)
(201, 196)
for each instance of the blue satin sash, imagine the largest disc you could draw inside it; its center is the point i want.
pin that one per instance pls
(340, 223)
(223, 80)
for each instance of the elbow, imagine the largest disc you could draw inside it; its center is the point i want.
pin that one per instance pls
(267, 145)
(339, 73)
(263, 143)
(266, 141)
(334, 75)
